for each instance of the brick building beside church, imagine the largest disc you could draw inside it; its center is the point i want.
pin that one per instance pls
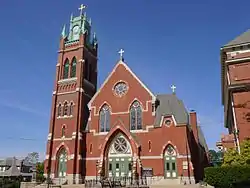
(120, 129)
(235, 84)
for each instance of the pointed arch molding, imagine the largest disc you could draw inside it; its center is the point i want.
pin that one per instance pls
(66, 61)
(59, 148)
(116, 130)
(102, 105)
(74, 58)
(164, 147)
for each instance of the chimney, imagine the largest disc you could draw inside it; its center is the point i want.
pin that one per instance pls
(193, 123)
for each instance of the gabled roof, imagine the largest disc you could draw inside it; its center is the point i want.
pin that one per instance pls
(169, 104)
(202, 139)
(12, 171)
(8, 161)
(120, 62)
(241, 39)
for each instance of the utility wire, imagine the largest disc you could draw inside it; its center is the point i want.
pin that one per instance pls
(22, 138)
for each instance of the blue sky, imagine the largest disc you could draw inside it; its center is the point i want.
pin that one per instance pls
(165, 42)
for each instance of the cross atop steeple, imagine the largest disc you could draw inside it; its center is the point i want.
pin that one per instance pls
(81, 8)
(173, 87)
(121, 54)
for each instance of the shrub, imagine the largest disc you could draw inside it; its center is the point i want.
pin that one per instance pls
(226, 177)
(7, 183)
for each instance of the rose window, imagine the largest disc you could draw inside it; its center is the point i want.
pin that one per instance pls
(120, 89)
(120, 145)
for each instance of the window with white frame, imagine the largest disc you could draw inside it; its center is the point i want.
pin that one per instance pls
(184, 165)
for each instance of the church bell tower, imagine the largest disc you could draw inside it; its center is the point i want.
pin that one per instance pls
(75, 85)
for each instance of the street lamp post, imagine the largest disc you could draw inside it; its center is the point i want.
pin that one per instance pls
(96, 171)
(48, 176)
(236, 135)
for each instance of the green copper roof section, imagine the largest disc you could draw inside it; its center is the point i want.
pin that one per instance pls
(79, 25)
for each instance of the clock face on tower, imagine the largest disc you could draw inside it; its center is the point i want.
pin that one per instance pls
(75, 32)
(75, 29)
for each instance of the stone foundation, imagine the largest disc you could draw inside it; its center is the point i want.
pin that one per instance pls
(74, 179)
(91, 177)
(28, 184)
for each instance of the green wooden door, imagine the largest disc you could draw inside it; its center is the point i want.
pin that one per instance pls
(119, 167)
(170, 167)
(62, 164)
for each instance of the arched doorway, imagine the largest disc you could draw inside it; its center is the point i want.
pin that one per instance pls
(62, 164)
(119, 157)
(170, 163)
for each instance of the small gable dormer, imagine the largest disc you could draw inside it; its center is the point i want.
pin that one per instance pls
(170, 108)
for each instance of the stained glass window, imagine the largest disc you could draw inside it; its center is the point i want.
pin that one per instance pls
(73, 68)
(170, 150)
(104, 119)
(66, 69)
(135, 116)
(121, 89)
(120, 145)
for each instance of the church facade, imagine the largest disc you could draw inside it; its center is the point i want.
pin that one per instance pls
(120, 129)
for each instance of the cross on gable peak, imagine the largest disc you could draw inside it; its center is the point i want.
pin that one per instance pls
(121, 54)
(173, 87)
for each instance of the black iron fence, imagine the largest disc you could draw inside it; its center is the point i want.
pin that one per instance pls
(113, 182)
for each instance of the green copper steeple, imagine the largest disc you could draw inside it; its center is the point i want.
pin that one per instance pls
(80, 25)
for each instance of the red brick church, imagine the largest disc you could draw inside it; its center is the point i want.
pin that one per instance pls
(119, 129)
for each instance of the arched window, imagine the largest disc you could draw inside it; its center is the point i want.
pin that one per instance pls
(73, 68)
(65, 108)
(149, 146)
(135, 116)
(59, 110)
(90, 148)
(170, 150)
(63, 131)
(66, 69)
(104, 120)
(71, 107)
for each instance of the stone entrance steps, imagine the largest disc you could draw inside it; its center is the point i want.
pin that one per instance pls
(73, 186)
(166, 182)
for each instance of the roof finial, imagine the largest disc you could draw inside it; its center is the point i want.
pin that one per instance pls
(63, 34)
(71, 17)
(173, 87)
(121, 54)
(81, 8)
(90, 21)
